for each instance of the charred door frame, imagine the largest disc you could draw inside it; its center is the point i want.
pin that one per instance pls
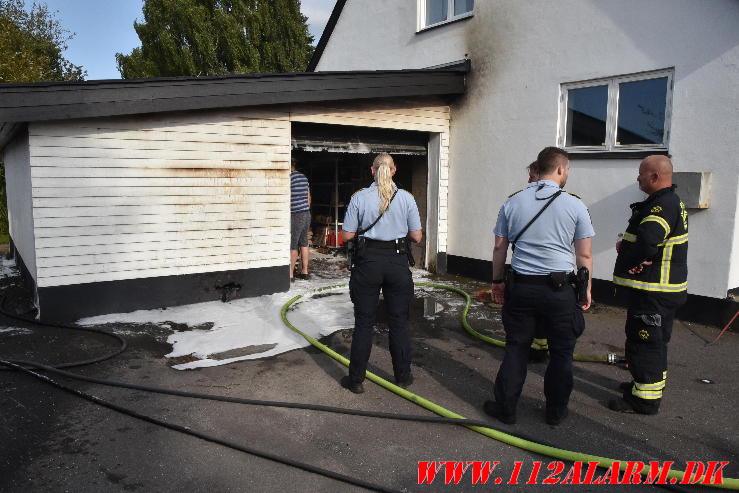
(433, 156)
(375, 139)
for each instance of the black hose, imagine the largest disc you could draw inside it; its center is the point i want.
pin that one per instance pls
(122, 343)
(254, 402)
(202, 436)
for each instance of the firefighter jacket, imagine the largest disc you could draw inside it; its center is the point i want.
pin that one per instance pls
(657, 232)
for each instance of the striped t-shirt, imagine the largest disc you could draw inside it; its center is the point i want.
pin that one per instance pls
(298, 192)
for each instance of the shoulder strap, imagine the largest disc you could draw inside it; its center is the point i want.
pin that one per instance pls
(378, 217)
(554, 196)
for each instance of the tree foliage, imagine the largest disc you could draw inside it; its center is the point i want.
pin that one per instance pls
(210, 37)
(31, 45)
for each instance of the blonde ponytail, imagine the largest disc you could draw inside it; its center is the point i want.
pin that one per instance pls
(384, 167)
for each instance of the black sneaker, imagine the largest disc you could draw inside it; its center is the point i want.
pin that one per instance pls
(404, 382)
(495, 410)
(304, 277)
(346, 382)
(554, 419)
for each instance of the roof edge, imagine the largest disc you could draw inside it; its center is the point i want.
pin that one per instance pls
(327, 32)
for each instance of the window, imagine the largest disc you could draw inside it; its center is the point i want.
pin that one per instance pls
(436, 12)
(625, 113)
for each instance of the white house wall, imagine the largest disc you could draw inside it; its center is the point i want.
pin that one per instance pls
(414, 115)
(18, 190)
(128, 198)
(521, 53)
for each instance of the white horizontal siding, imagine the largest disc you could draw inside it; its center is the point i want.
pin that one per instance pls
(165, 238)
(126, 198)
(208, 264)
(429, 116)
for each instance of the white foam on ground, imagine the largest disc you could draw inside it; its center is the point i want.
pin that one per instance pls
(8, 268)
(245, 323)
(249, 322)
(14, 331)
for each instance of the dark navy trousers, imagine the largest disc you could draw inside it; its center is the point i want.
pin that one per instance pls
(528, 305)
(381, 269)
(648, 330)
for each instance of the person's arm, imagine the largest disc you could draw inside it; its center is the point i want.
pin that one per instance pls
(415, 236)
(584, 258)
(351, 220)
(652, 231)
(500, 253)
(413, 218)
(309, 198)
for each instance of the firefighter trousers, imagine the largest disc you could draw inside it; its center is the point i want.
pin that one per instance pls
(648, 330)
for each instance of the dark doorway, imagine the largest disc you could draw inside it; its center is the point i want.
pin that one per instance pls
(337, 159)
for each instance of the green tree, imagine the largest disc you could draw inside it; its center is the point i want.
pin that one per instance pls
(31, 45)
(210, 37)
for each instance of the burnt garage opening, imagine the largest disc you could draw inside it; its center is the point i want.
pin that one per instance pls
(337, 159)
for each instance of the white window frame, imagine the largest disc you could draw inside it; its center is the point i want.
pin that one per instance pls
(422, 26)
(611, 145)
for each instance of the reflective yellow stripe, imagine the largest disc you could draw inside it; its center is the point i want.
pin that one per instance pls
(650, 386)
(659, 221)
(664, 374)
(647, 394)
(650, 286)
(675, 240)
(540, 344)
(666, 259)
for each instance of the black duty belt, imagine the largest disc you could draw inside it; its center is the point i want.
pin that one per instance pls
(389, 244)
(532, 279)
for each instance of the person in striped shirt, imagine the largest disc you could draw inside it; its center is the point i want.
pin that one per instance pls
(299, 220)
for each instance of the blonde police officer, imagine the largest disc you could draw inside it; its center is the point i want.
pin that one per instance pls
(383, 265)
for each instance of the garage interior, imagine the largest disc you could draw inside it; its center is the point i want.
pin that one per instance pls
(337, 160)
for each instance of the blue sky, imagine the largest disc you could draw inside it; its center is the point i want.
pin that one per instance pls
(105, 27)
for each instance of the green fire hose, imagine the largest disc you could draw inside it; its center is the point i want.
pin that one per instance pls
(557, 453)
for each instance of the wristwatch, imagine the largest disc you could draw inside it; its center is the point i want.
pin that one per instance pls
(498, 281)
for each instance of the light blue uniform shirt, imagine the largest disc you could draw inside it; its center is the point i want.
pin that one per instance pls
(547, 246)
(400, 218)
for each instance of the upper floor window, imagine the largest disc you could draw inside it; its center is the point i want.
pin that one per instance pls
(435, 12)
(624, 113)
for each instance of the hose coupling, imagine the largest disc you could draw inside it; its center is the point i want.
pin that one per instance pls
(615, 359)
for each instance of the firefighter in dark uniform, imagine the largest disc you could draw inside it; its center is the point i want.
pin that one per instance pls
(652, 266)
(383, 264)
(543, 222)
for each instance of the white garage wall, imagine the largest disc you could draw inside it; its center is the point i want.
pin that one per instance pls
(18, 190)
(126, 198)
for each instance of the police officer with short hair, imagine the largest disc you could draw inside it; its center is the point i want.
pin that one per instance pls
(538, 290)
(383, 264)
(539, 347)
